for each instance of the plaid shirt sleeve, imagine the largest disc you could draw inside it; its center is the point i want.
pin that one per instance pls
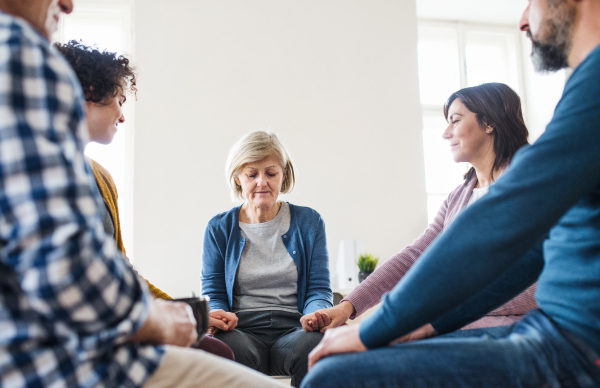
(51, 235)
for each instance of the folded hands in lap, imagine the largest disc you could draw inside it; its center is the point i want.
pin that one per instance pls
(221, 320)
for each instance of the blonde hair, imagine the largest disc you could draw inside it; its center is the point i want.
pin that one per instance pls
(254, 147)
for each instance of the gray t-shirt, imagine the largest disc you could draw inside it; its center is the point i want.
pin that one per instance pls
(267, 277)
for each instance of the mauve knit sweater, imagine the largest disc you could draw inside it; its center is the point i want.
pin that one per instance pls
(370, 291)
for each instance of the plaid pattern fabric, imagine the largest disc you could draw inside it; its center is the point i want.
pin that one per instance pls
(68, 300)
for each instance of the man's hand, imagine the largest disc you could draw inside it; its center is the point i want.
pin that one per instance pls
(169, 323)
(423, 332)
(325, 319)
(221, 320)
(339, 340)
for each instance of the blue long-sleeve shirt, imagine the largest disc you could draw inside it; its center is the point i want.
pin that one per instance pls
(305, 242)
(552, 186)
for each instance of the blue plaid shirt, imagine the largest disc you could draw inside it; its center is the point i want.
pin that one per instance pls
(68, 299)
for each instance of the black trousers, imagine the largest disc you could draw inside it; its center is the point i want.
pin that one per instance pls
(272, 342)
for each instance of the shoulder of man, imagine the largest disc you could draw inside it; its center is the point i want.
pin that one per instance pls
(585, 78)
(17, 37)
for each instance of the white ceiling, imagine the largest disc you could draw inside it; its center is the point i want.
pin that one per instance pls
(474, 11)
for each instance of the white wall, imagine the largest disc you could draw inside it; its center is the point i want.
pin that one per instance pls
(336, 79)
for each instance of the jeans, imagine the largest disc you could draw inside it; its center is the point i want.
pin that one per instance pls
(272, 342)
(533, 352)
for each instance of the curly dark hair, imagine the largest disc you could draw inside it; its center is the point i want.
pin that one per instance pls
(102, 74)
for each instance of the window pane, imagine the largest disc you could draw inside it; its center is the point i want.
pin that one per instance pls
(439, 74)
(103, 34)
(108, 26)
(434, 202)
(107, 35)
(491, 57)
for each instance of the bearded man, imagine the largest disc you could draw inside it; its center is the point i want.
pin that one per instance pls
(552, 186)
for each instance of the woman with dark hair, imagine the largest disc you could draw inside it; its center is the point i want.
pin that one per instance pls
(106, 78)
(505, 130)
(486, 129)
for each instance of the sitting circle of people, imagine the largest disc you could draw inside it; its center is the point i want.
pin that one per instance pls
(75, 313)
(265, 263)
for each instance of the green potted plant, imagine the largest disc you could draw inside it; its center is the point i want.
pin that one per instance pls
(366, 265)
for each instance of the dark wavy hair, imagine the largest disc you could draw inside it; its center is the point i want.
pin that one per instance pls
(498, 106)
(102, 74)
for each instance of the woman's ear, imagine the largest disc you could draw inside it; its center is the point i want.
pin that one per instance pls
(489, 129)
(237, 181)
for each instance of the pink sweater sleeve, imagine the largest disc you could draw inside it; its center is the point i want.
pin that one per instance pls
(384, 279)
(519, 305)
(369, 292)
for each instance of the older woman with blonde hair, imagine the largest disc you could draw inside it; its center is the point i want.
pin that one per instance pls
(265, 263)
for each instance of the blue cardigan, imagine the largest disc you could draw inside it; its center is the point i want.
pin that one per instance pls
(305, 241)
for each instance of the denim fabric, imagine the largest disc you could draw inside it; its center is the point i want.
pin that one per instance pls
(305, 242)
(272, 342)
(533, 352)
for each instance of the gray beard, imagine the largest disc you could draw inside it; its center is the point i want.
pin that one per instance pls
(548, 58)
(553, 54)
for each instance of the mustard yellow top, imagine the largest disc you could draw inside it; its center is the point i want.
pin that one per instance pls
(107, 188)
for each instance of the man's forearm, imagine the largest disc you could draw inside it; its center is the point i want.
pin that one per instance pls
(516, 279)
(152, 330)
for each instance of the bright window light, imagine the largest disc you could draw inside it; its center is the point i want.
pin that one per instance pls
(453, 56)
(107, 25)
(439, 73)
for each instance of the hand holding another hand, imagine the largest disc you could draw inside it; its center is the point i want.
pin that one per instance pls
(322, 320)
(316, 321)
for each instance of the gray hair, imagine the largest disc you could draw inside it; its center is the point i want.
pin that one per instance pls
(254, 147)
(553, 54)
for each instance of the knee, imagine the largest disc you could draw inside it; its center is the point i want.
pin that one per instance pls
(319, 376)
(302, 346)
(243, 350)
(217, 347)
(306, 342)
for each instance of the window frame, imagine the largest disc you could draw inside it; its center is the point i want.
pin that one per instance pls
(511, 34)
(120, 12)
